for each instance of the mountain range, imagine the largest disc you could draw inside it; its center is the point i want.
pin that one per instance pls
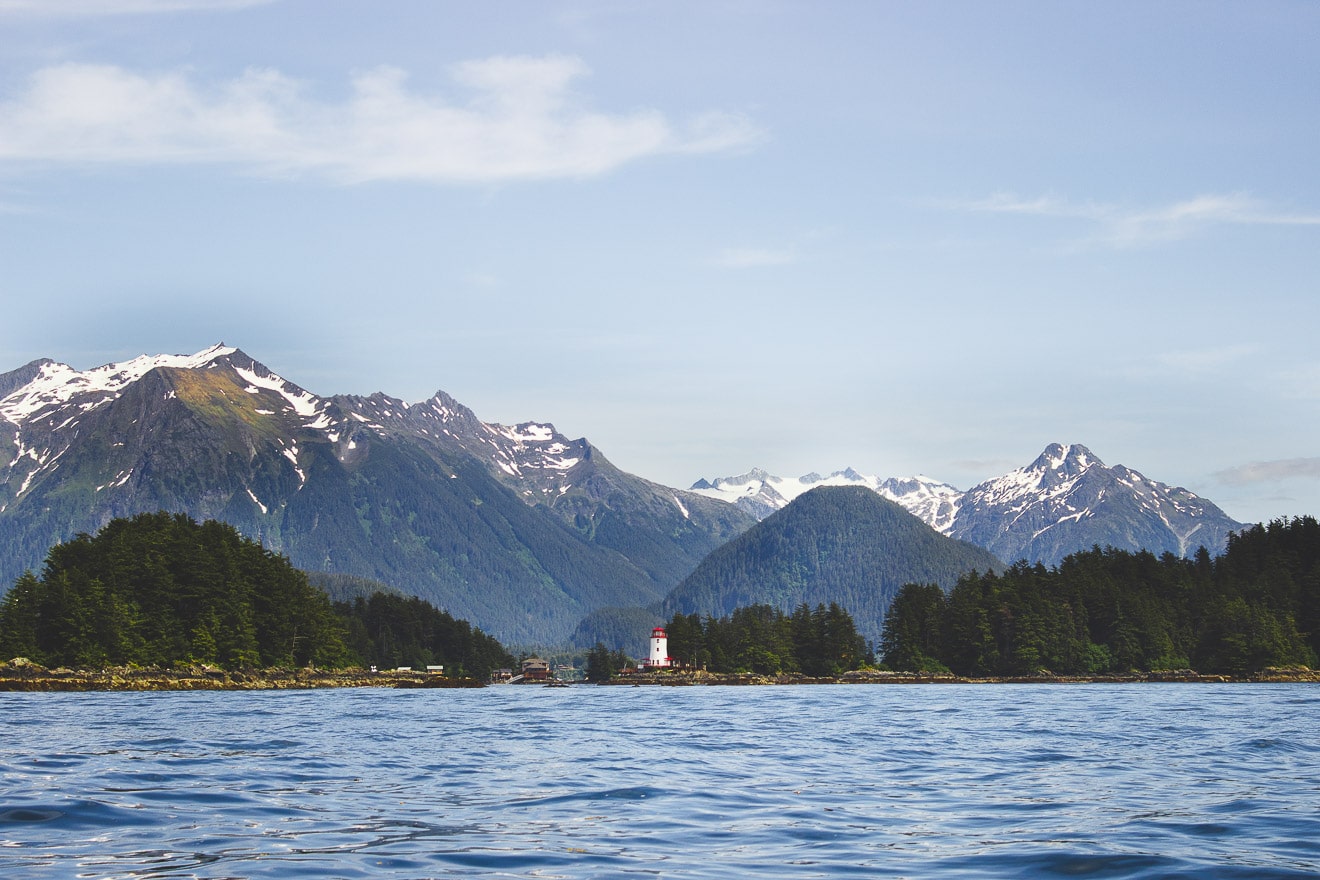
(1064, 501)
(518, 529)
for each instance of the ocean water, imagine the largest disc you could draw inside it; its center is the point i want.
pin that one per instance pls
(1143, 780)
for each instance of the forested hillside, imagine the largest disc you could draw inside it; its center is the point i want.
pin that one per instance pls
(388, 630)
(516, 528)
(842, 544)
(1108, 610)
(163, 590)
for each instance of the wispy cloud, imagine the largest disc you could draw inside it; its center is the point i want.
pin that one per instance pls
(78, 8)
(750, 258)
(521, 121)
(1125, 226)
(1271, 471)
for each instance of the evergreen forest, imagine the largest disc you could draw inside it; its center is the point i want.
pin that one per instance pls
(841, 544)
(161, 589)
(820, 641)
(1113, 611)
(389, 630)
(604, 663)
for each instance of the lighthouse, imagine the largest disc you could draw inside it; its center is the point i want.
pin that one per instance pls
(659, 648)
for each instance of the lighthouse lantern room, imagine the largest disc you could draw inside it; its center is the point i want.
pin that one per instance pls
(659, 648)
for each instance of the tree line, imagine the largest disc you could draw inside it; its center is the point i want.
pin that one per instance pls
(1116, 611)
(820, 641)
(393, 630)
(160, 589)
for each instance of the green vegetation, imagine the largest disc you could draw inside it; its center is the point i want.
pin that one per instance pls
(347, 587)
(603, 664)
(388, 630)
(162, 590)
(1101, 611)
(841, 544)
(444, 529)
(762, 639)
(616, 628)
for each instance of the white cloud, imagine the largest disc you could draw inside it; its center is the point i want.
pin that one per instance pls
(522, 121)
(749, 258)
(1008, 203)
(74, 8)
(1271, 471)
(1121, 226)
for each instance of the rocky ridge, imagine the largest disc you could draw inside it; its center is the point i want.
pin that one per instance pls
(1066, 500)
(517, 529)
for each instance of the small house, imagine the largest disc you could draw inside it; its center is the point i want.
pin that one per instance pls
(535, 669)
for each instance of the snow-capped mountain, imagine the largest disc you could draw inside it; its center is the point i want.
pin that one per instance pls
(1066, 500)
(518, 529)
(761, 493)
(1069, 500)
(51, 408)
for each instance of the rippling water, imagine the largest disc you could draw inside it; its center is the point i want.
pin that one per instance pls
(824, 781)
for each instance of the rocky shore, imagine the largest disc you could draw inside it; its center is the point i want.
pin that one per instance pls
(23, 675)
(871, 676)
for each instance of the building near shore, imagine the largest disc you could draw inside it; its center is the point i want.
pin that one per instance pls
(535, 669)
(659, 658)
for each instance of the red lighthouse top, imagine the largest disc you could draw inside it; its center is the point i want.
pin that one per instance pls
(659, 631)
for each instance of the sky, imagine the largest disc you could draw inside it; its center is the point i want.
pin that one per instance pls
(926, 237)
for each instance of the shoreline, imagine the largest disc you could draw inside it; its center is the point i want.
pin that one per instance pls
(1186, 676)
(30, 677)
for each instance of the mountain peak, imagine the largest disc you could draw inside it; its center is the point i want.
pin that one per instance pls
(52, 384)
(755, 475)
(1073, 458)
(1068, 499)
(516, 528)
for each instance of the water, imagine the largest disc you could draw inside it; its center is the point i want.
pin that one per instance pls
(826, 781)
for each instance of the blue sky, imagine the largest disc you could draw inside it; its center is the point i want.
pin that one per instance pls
(902, 237)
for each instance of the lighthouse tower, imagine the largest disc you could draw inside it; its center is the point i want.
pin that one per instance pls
(659, 648)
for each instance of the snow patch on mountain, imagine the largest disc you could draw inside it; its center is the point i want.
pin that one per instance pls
(56, 385)
(762, 493)
(304, 404)
(1066, 500)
